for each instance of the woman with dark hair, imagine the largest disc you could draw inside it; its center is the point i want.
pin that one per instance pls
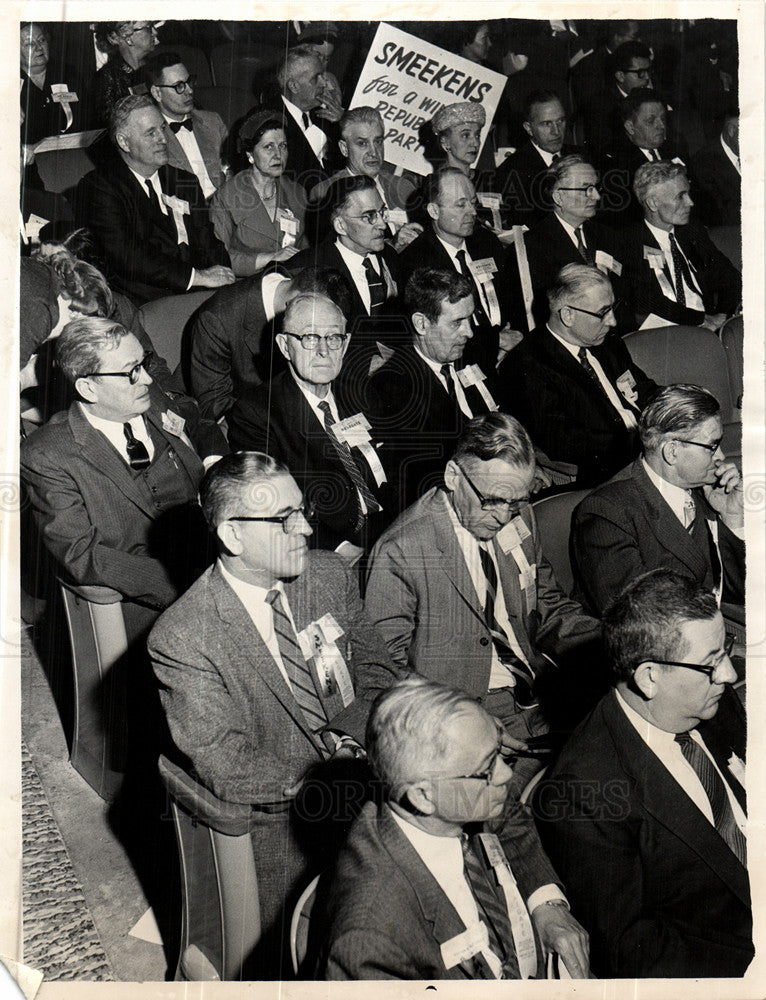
(259, 213)
(127, 44)
(50, 96)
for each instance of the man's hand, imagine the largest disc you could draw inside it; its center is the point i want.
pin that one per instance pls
(213, 277)
(725, 496)
(409, 232)
(509, 339)
(559, 932)
(331, 108)
(714, 321)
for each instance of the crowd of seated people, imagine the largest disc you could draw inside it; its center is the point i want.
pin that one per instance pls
(321, 523)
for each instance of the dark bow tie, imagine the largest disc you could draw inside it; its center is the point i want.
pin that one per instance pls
(177, 126)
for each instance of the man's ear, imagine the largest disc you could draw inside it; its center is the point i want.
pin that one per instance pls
(87, 391)
(227, 533)
(620, 77)
(433, 210)
(669, 451)
(527, 128)
(122, 142)
(565, 315)
(339, 226)
(343, 147)
(629, 127)
(420, 797)
(282, 344)
(451, 475)
(419, 322)
(645, 678)
(155, 93)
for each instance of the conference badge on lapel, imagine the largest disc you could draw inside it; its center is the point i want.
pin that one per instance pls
(172, 423)
(627, 386)
(319, 642)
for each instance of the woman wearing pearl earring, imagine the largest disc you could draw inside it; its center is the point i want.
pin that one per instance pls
(259, 213)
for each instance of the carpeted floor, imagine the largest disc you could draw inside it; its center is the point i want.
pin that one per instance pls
(60, 938)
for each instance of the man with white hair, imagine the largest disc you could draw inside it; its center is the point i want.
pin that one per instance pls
(422, 889)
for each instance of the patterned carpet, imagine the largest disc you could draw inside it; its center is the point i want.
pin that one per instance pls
(60, 938)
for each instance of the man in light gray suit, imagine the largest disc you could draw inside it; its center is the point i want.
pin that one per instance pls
(256, 664)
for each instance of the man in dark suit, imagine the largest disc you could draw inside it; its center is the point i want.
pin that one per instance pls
(194, 137)
(679, 505)
(256, 664)
(589, 77)
(462, 593)
(455, 240)
(521, 176)
(421, 399)
(717, 177)
(630, 68)
(674, 270)
(309, 419)
(113, 480)
(573, 383)
(358, 246)
(570, 235)
(416, 891)
(149, 219)
(644, 812)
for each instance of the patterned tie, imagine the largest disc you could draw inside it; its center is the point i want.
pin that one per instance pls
(138, 456)
(703, 536)
(376, 285)
(297, 669)
(479, 313)
(177, 126)
(681, 270)
(352, 469)
(581, 248)
(711, 781)
(690, 512)
(524, 674)
(446, 374)
(492, 911)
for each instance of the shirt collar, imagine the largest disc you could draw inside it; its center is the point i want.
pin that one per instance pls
(435, 367)
(249, 593)
(546, 156)
(661, 235)
(448, 848)
(652, 735)
(571, 230)
(109, 427)
(452, 251)
(676, 497)
(572, 348)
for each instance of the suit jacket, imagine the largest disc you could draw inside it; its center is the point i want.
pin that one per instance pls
(565, 413)
(97, 521)
(656, 886)
(719, 281)
(520, 178)
(420, 594)
(618, 205)
(417, 422)
(276, 418)
(428, 251)
(243, 225)
(303, 166)
(717, 186)
(625, 528)
(230, 348)
(209, 131)
(137, 241)
(397, 189)
(549, 248)
(44, 116)
(382, 915)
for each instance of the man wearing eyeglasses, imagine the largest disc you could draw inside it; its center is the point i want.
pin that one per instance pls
(194, 137)
(113, 480)
(573, 383)
(679, 505)
(569, 234)
(423, 889)
(643, 813)
(630, 68)
(308, 418)
(257, 664)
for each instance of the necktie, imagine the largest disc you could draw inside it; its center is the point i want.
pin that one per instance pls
(295, 665)
(306, 121)
(681, 270)
(690, 512)
(153, 196)
(711, 781)
(446, 374)
(376, 285)
(556, 156)
(581, 248)
(177, 126)
(524, 674)
(479, 312)
(493, 912)
(138, 456)
(352, 469)
(703, 537)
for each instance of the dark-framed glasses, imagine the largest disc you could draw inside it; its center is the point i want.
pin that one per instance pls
(497, 505)
(702, 668)
(291, 521)
(712, 448)
(132, 376)
(592, 190)
(310, 341)
(600, 315)
(181, 86)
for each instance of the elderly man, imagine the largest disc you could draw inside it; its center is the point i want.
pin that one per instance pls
(521, 177)
(148, 218)
(717, 176)
(415, 892)
(569, 234)
(456, 240)
(194, 137)
(361, 145)
(460, 588)
(644, 811)
(679, 505)
(573, 383)
(308, 419)
(256, 664)
(675, 272)
(113, 480)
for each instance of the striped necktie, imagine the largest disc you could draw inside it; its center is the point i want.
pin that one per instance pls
(681, 269)
(349, 464)
(298, 672)
(581, 248)
(479, 312)
(492, 911)
(138, 455)
(376, 285)
(711, 781)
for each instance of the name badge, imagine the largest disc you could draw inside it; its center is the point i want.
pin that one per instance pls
(513, 535)
(464, 946)
(176, 204)
(354, 430)
(627, 386)
(61, 94)
(318, 642)
(606, 262)
(470, 375)
(287, 222)
(655, 257)
(483, 269)
(173, 423)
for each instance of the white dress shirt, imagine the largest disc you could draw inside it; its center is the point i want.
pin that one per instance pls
(453, 252)
(571, 231)
(115, 435)
(628, 416)
(669, 753)
(731, 156)
(315, 136)
(188, 142)
(355, 264)
(693, 295)
(436, 368)
(546, 156)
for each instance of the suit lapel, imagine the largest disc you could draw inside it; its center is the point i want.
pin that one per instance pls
(668, 530)
(676, 812)
(452, 559)
(358, 307)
